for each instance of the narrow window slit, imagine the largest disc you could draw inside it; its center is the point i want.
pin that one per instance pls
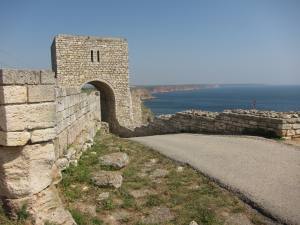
(92, 56)
(98, 56)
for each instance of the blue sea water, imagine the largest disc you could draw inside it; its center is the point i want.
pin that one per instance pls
(276, 98)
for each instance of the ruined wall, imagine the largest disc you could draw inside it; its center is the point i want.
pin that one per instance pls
(286, 125)
(81, 59)
(43, 128)
(27, 153)
(77, 121)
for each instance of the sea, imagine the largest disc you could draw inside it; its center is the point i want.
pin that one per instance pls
(262, 97)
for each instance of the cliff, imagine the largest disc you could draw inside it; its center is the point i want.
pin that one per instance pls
(147, 91)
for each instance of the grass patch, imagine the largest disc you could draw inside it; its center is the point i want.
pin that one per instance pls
(84, 219)
(153, 200)
(188, 194)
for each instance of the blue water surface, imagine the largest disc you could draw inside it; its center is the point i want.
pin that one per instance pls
(277, 98)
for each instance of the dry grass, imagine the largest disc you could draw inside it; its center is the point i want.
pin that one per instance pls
(188, 194)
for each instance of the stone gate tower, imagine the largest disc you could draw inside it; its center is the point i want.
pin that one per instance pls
(103, 62)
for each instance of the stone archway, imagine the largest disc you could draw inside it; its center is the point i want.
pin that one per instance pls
(107, 103)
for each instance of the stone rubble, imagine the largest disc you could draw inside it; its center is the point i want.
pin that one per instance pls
(116, 160)
(107, 179)
(103, 196)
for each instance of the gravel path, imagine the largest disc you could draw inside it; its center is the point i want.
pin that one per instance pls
(264, 172)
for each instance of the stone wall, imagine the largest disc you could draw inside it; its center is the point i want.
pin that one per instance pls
(27, 152)
(251, 122)
(136, 108)
(77, 121)
(78, 60)
(43, 128)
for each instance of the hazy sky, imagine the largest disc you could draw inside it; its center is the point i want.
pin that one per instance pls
(170, 41)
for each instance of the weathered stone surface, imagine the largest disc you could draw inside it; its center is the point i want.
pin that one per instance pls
(14, 118)
(62, 163)
(56, 174)
(14, 138)
(107, 179)
(25, 170)
(193, 222)
(43, 135)
(47, 77)
(158, 215)
(117, 160)
(42, 207)
(103, 196)
(13, 94)
(41, 93)
(12, 76)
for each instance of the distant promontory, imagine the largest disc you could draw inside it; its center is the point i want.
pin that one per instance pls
(146, 92)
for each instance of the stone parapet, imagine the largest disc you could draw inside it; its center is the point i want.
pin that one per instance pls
(249, 122)
(27, 103)
(27, 151)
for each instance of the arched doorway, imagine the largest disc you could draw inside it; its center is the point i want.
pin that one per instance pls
(107, 102)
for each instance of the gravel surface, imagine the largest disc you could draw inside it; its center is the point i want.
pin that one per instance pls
(264, 172)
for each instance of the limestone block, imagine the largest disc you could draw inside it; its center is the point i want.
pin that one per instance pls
(25, 170)
(11, 76)
(297, 131)
(45, 206)
(285, 126)
(47, 77)
(14, 138)
(60, 104)
(296, 126)
(41, 93)
(117, 160)
(62, 142)
(21, 117)
(107, 179)
(5, 77)
(43, 135)
(13, 94)
(290, 132)
(60, 92)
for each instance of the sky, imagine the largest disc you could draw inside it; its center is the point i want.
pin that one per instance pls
(170, 41)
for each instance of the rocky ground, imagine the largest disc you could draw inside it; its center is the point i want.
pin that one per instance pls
(118, 181)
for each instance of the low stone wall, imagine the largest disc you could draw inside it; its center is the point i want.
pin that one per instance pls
(268, 123)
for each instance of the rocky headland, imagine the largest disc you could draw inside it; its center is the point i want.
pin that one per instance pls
(146, 92)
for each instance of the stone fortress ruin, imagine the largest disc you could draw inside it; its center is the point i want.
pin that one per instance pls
(46, 121)
(44, 113)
